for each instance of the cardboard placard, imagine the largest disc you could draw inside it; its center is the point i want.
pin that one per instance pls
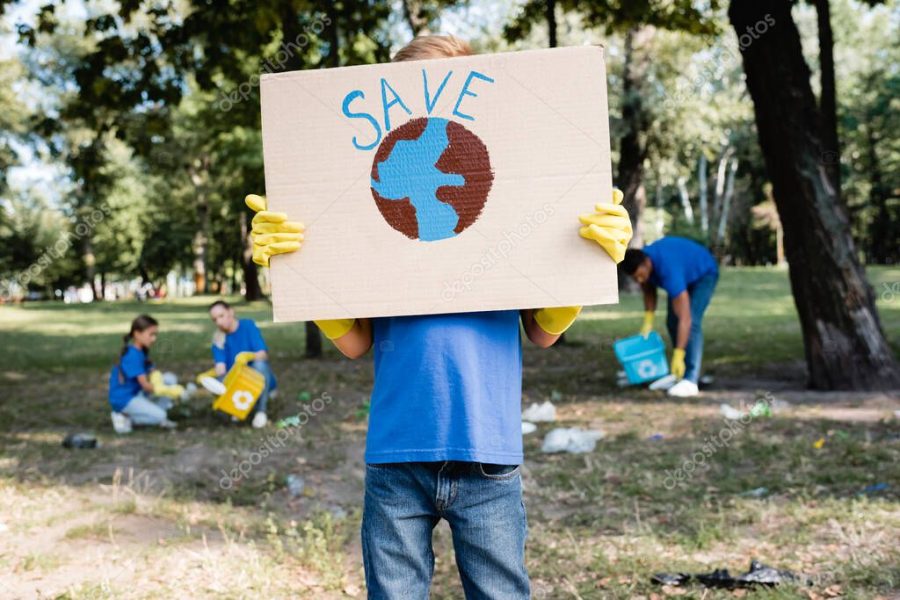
(440, 186)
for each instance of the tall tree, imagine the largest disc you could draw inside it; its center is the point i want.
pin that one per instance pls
(844, 343)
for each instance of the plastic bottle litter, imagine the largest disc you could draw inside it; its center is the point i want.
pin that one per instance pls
(538, 413)
(80, 440)
(663, 383)
(761, 409)
(573, 440)
(732, 414)
(756, 492)
(819, 443)
(170, 378)
(875, 488)
(656, 437)
(528, 427)
(295, 484)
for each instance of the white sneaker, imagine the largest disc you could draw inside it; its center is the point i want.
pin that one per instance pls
(259, 420)
(664, 383)
(684, 389)
(120, 422)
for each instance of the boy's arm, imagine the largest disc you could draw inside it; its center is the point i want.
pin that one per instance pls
(535, 332)
(353, 337)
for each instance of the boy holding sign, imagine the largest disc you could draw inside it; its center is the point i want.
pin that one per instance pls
(444, 438)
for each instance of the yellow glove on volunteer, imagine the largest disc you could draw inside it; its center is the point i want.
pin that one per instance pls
(647, 327)
(272, 232)
(677, 365)
(555, 321)
(609, 226)
(161, 389)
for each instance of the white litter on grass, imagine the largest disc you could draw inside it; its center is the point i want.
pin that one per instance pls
(170, 378)
(732, 414)
(663, 383)
(538, 413)
(528, 427)
(574, 440)
(3, 527)
(213, 385)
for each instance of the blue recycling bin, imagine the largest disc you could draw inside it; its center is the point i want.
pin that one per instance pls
(644, 359)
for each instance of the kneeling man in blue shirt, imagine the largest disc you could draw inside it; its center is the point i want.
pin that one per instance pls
(688, 272)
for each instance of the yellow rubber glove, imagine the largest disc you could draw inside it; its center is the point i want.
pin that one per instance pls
(161, 389)
(243, 358)
(555, 321)
(647, 327)
(609, 226)
(677, 365)
(335, 328)
(209, 373)
(272, 232)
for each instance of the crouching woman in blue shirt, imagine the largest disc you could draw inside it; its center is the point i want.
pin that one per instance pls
(234, 337)
(131, 394)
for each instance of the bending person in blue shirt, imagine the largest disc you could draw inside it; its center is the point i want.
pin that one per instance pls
(236, 336)
(689, 273)
(132, 396)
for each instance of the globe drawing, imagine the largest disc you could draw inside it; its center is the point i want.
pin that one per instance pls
(431, 178)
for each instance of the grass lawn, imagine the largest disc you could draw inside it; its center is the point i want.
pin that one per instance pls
(155, 513)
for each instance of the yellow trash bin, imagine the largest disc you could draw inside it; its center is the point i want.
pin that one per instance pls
(243, 385)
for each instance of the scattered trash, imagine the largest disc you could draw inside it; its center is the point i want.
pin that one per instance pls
(213, 385)
(656, 437)
(80, 440)
(758, 574)
(169, 378)
(673, 579)
(555, 396)
(819, 443)
(295, 484)
(292, 421)
(732, 414)
(574, 440)
(875, 488)
(756, 492)
(761, 409)
(707, 380)
(304, 396)
(537, 413)
(780, 405)
(528, 427)
(189, 391)
(663, 383)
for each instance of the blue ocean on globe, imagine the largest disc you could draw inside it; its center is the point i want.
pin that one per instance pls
(410, 171)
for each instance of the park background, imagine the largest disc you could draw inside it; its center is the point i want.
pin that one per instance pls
(130, 136)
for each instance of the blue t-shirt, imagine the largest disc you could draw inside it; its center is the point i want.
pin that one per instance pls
(447, 387)
(246, 338)
(123, 383)
(679, 263)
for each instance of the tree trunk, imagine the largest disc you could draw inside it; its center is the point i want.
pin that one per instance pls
(199, 175)
(704, 194)
(843, 339)
(685, 200)
(90, 261)
(726, 204)
(252, 290)
(550, 8)
(633, 146)
(831, 150)
(416, 17)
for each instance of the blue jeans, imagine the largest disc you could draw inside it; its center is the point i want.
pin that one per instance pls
(143, 410)
(483, 505)
(263, 367)
(700, 292)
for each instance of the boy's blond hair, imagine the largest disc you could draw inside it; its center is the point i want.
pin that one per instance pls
(433, 46)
